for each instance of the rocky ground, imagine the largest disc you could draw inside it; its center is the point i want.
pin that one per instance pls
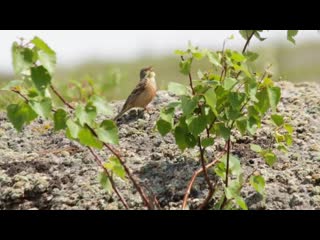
(40, 169)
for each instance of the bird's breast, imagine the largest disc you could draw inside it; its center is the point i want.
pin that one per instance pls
(152, 83)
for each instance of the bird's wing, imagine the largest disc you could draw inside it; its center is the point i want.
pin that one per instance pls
(136, 92)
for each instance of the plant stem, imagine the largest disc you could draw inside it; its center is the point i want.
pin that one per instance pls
(190, 80)
(204, 167)
(100, 163)
(60, 97)
(21, 95)
(228, 158)
(145, 199)
(248, 41)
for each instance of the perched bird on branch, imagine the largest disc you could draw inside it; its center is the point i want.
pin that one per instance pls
(143, 93)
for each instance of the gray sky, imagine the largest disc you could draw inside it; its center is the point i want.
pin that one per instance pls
(76, 46)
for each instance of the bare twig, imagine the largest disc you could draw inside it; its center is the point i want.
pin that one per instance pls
(21, 95)
(100, 163)
(60, 97)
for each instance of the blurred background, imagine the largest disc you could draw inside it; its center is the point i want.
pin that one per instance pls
(109, 61)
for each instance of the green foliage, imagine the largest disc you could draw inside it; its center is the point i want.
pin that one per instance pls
(228, 97)
(60, 119)
(105, 181)
(20, 114)
(34, 64)
(258, 183)
(108, 132)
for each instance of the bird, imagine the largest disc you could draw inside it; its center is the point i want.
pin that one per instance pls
(143, 93)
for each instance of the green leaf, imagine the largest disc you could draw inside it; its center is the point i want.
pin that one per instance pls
(21, 58)
(263, 101)
(270, 158)
(277, 119)
(43, 107)
(198, 55)
(40, 44)
(241, 203)
(252, 125)
(251, 87)
(163, 127)
(246, 33)
(291, 34)
(220, 170)
(101, 105)
(274, 94)
(234, 164)
(188, 105)
(177, 88)
(32, 93)
(13, 85)
(87, 114)
(222, 131)
(238, 57)
(41, 78)
(60, 119)
(229, 83)
(185, 66)
(48, 61)
(206, 142)
(213, 58)
(288, 139)
(251, 56)
(211, 98)
(241, 125)
(196, 124)
(257, 35)
(87, 138)
(105, 182)
(243, 69)
(46, 55)
(108, 132)
(73, 129)
(258, 183)
(115, 166)
(255, 148)
(179, 52)
(236, 99)
(288, 127)
(232, 114)
(20, 114)
(182, 136)
(233, 190)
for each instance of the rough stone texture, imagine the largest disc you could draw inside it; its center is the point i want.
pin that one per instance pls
(40, 169)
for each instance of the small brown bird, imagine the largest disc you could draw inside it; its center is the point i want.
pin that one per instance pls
(143, 94)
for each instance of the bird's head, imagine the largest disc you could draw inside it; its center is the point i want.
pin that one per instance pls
(147, 72)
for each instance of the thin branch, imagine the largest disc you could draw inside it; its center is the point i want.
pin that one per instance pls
(190, 80)
(248, 41)
(60, 97)
(100, 163)
(21, 95)
(228, 158)
(245, 48)
(135, 183)
(195, 175)
(204, 167)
